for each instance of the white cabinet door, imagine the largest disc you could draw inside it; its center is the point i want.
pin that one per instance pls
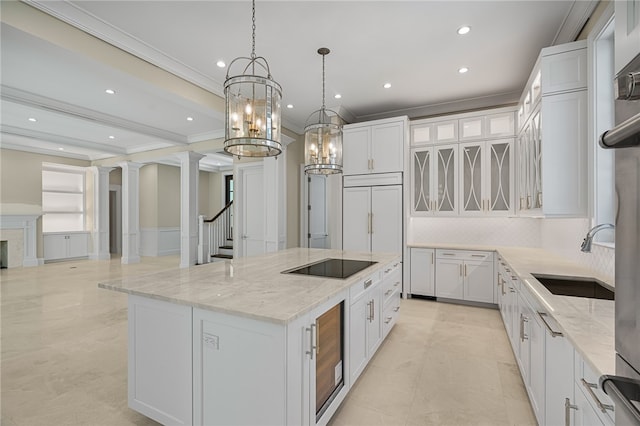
(421, 134)
(55, 246)
(627, 33)
(358, 318)
(584, 414)
(564, 151)
(564, 71)
(423, 199)
(77, 245)
(374, 324)
(499, 176)
(472, 128)
(499, 125)
(422, 265)
(386, 218)
(478, 281)
(558, 373)
(449, 280)
(445, 179)
(356, 219)
(537, 361)
(445, 131)
(355, 150)
(472, 165)
(387, 147)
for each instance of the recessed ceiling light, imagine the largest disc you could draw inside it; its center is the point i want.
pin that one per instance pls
(33, 120)
(338, 96)
(463, 70)
(221, 64)
(60, 149)
(289, 106)
(387, 85)
(112, 137)
(189, 118)
(464, 30)
(110, 92)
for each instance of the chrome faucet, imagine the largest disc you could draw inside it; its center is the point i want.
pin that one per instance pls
(586, 243)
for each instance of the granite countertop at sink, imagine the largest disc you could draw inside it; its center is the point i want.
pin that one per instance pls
(588, 323)
(252, 287)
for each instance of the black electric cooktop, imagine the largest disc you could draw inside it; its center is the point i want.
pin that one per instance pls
(332, 268)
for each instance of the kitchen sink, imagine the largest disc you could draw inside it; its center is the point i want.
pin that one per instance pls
(578, 287)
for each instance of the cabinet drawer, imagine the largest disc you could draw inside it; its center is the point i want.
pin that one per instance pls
(587, 381)
(356, 291)
(391, 285)
(463, 254)
(390, 314)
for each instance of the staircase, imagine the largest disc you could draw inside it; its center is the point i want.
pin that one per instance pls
(215, 236)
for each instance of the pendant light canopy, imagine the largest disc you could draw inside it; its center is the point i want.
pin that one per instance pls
(323, 137)
(252, 110)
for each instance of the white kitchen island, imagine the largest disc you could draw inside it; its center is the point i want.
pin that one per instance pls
(233, 342)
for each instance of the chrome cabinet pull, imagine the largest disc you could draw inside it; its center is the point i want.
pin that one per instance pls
(388, 320)
(388, 292)
(397, 284)
(368, 283)
(373, 309)
(396, 309)
(371, 223)
(525, 319)
(317, 340)
(461, 269)
(590, 387)
(554, 333)
(511, 289)
(373, 164)
(312, 346)
(477, 255)
(521, 329)
(465, 269)
(567, 413)
(448, 254)
(368, 311)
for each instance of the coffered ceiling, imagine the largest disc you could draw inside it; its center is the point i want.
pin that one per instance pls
(52, 75)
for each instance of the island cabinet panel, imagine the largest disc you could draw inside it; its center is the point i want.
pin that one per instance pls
(237, 361)
(160, 380)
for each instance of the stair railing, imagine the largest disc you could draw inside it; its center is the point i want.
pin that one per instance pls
(214, 233)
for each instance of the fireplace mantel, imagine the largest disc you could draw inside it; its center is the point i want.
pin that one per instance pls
(24, 217)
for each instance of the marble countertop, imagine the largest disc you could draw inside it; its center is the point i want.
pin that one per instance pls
(588, 323)
(252, 287)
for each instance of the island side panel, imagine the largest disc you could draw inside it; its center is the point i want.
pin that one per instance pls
(160, 360)
(240, 370)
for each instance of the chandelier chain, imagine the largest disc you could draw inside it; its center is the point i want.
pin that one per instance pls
(253, 29)
(323, 104)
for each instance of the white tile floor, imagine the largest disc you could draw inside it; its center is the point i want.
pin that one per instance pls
(64, 361)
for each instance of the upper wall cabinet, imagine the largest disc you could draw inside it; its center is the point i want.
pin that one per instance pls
(552, 138)
(486, 127)
(374, 147)
(428, 132)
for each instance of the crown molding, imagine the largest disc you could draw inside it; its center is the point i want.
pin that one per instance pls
(44, 151)
(78, 17)
(575, 20)
(33, 100)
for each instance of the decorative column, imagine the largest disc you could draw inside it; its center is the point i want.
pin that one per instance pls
(130, 212)
(100, 232)
(189, 170)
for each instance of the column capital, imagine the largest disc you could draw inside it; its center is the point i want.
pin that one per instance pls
(100, 169)
(129, 165)
(189, 156)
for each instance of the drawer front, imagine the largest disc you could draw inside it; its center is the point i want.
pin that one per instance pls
(464, 254)
(358, 290)
(390, 314)
(588, 382)
(391, 285)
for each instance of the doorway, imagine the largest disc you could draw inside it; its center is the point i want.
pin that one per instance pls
(115, 219)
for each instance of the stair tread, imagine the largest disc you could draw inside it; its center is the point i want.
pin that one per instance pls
(223, 256)
(226, 247)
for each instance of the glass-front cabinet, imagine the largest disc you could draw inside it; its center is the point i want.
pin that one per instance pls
(435, 180)
(486, 173)
(530, 165)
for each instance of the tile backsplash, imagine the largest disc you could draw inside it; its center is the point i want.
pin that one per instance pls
(499, 231)
(559, 236)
